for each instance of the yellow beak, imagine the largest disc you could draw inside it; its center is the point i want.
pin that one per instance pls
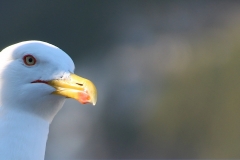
(75, 87)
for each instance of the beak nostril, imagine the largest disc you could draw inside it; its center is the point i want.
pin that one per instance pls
(80, 84)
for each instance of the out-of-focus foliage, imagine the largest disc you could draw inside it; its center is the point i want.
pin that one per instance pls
(198, 115)
(167, 74)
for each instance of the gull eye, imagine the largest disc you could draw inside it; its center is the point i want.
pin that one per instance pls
(29, 60)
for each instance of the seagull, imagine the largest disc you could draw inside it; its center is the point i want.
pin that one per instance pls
(35, 79)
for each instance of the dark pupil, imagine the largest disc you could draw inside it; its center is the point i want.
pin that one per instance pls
(30, 60)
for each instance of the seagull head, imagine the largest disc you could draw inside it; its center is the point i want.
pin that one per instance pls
(37, 77)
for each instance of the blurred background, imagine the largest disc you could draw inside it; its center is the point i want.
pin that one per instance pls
(167, 74)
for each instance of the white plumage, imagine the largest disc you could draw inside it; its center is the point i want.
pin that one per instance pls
(35, 79)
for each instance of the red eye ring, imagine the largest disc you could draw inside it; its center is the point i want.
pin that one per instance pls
(29, 60)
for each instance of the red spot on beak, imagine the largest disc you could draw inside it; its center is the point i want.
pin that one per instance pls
(83, 97)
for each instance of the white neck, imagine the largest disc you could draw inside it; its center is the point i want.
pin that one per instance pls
(22, 135)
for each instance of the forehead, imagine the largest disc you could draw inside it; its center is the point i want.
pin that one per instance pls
(41, 50)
